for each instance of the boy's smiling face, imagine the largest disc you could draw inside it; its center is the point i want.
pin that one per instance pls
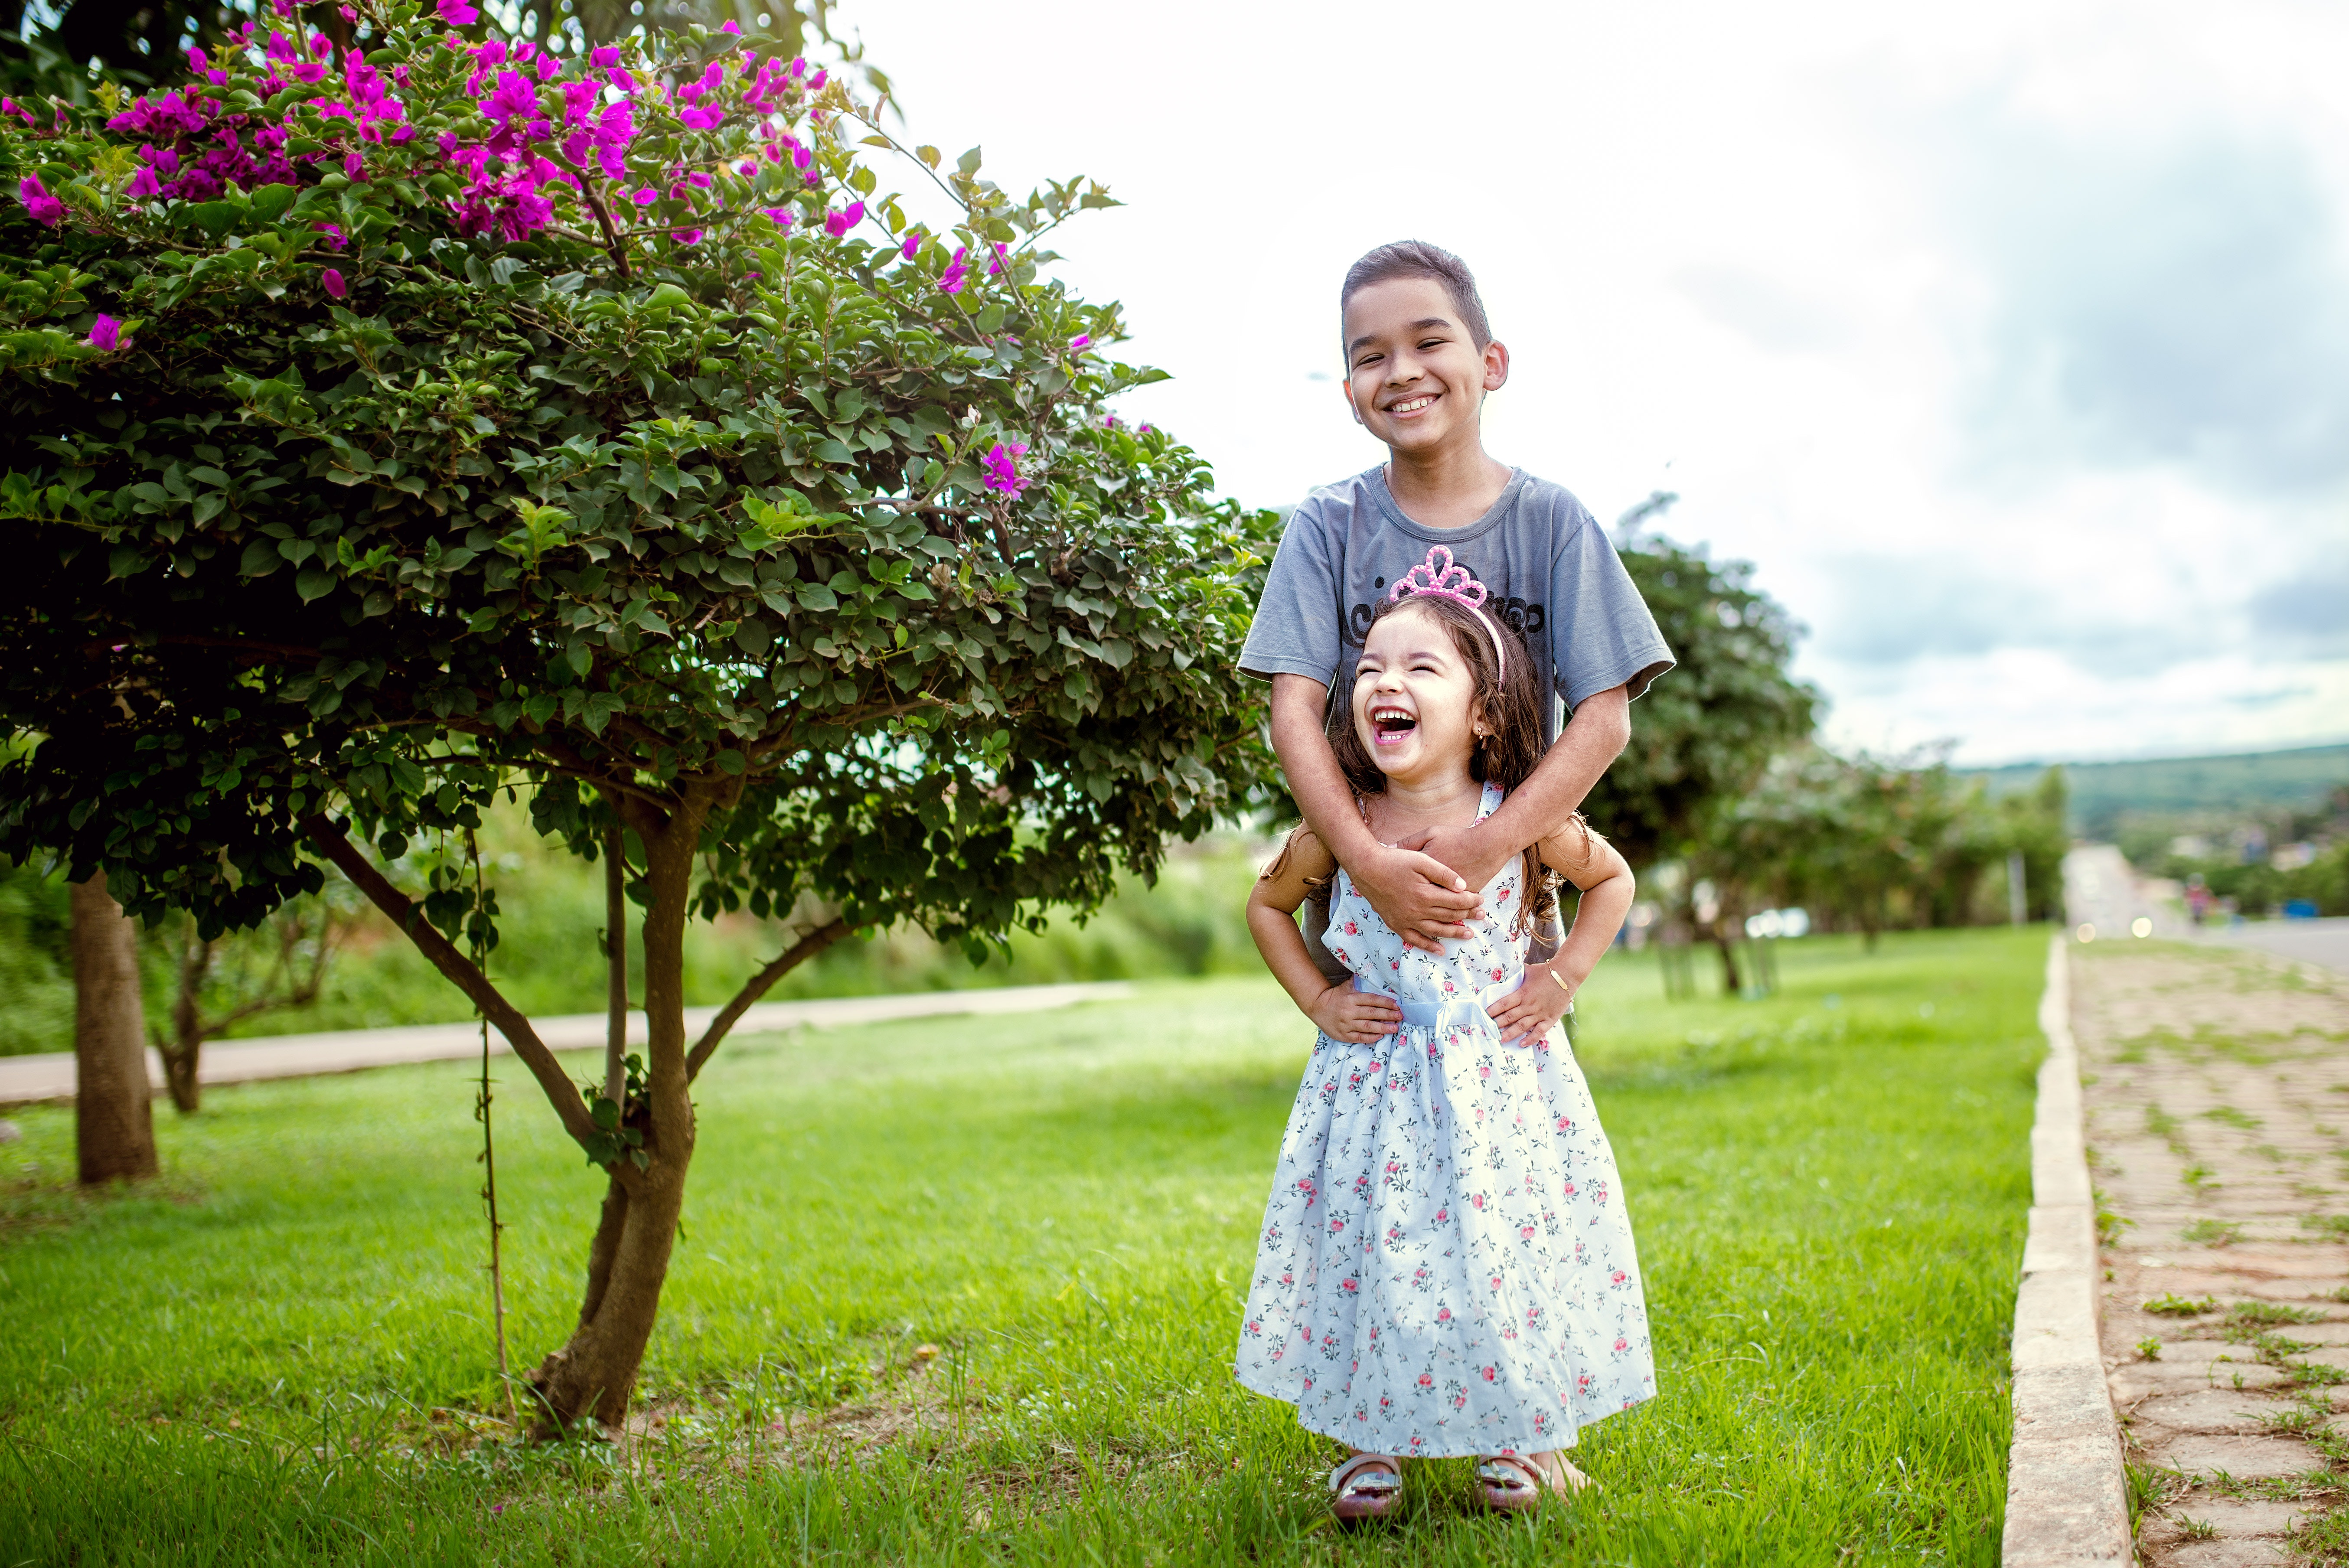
(1415, 377)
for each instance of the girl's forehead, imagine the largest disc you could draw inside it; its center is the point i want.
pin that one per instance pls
(1408, 633)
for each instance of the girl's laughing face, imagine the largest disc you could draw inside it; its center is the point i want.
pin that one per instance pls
(1414, 694)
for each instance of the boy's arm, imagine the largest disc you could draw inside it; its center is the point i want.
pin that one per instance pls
(1340, 1011)
(1539, 808)
(1598, 870)
(1419, 897)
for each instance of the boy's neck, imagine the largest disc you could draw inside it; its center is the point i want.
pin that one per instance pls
(1448, 487)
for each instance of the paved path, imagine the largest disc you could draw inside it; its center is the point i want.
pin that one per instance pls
(2216, 1083)
(2324, 941)
(50, 1076)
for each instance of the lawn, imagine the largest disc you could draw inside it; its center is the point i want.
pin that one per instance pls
(966, 1292)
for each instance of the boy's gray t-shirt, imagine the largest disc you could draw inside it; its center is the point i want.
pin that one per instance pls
(1551, 571)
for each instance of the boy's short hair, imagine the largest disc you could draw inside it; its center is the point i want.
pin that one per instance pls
(1418, 259)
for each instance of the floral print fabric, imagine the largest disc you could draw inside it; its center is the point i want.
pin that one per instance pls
(1445, 1266)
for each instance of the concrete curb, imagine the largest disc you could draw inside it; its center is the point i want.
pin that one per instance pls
(2066, 1501)
(25, 1080)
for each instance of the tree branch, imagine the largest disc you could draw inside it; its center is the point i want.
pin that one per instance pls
(335, 845)
(799, 953)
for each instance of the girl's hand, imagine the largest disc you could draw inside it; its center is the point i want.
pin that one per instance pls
(1356, 1017)
(1534, 1008)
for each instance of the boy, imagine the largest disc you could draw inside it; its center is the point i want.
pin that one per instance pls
(1420, 359)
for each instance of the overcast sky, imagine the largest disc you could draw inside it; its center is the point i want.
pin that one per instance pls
(2012, 344)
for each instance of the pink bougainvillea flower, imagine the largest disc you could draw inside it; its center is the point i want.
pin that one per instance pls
(951, 280)
(839, 222)
(106, 335)
(334, 285)
(912, 243)
(996, 265)
(645, 198)
(731, 26)
(1080, 341)
(621, 80)
(699, 118)
(604, 56)
(10, 105)
(144, 183)
(1002, 473)
(43, 207)
(512, 99)
(458, 14)
(781, 215)
(687, 236)
(347, 14)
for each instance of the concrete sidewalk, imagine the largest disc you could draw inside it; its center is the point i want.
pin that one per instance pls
(50, 1076)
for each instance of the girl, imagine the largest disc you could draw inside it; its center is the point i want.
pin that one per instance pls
(1445, 1266)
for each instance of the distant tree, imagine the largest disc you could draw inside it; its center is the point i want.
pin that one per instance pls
(219, 980)
(614, 436)
(1704, 732)
(2033, 825)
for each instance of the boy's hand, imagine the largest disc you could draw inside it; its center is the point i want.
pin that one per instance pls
(1475, 852)
(1534, 1008)
(1356, 1017)
(1421, 900)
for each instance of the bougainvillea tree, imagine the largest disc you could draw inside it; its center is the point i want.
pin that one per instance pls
(393, 426)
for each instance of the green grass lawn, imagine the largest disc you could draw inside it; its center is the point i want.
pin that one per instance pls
(281, 1353)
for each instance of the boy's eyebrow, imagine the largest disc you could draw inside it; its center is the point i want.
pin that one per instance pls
(1421, 325)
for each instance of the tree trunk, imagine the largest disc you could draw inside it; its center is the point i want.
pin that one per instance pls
(114, 1112)
(594, 1374)
(1731, 982)
(182, 1048)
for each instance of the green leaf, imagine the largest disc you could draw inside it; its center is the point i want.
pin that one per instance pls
(260, 559)
(969, 162)
(313, 582)
(270, 201)
(816, 596)
(600, 707)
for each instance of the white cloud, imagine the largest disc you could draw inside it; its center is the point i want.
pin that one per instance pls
(2004, 339)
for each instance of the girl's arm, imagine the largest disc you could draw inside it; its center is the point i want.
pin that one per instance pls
(1605, 881)
(1339, 1011)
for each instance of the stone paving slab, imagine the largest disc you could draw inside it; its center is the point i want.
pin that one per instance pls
(2215, 1094)
(50, 1075)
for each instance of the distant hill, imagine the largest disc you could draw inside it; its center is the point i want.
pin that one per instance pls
(2103, 793)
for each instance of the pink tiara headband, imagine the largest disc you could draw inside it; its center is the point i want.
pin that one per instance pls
(1445, 581)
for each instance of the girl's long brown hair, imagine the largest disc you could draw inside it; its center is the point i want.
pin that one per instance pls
(1506, 696)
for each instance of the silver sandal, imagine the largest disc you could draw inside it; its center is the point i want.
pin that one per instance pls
(1513, 1482)
(1358, 1492)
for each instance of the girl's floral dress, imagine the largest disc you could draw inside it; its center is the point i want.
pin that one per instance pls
(1445, 1266)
